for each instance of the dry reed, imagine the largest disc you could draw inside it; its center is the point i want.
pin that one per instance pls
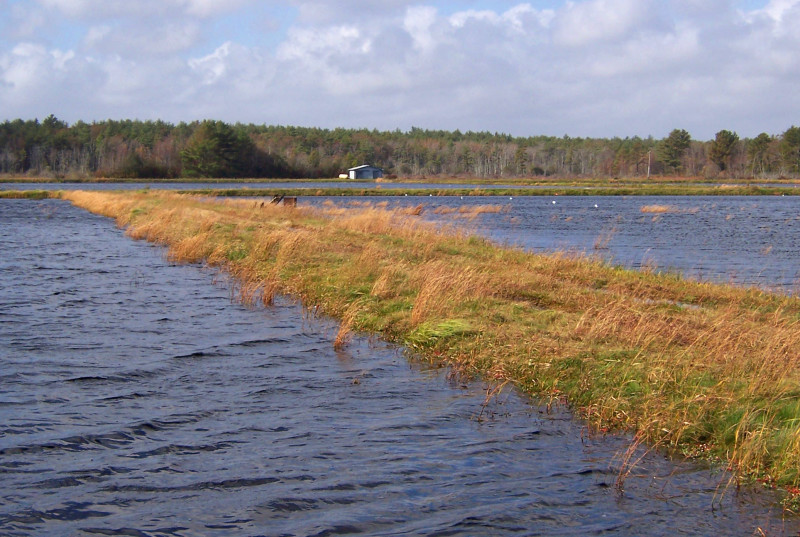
(658, 209)
(699, 368)
(662, 209)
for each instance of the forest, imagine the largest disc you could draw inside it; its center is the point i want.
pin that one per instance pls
(135, 149)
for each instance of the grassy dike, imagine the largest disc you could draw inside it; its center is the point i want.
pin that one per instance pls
(654, 189)
(704, 370)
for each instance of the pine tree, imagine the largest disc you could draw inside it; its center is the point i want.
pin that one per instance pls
(722, 148)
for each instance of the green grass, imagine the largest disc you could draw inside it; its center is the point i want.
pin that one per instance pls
(26, 194)
(697, 368)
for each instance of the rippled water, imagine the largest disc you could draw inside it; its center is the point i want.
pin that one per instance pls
(137, 399)
(744, 240)
(738, 239)
(166, 185)
(359, 184)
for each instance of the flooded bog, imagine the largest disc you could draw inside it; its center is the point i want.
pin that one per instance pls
(744, 240)
(137, 399)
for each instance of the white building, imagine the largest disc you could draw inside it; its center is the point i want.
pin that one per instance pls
(365, 171)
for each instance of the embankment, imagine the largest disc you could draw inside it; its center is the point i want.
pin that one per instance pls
(705, 370)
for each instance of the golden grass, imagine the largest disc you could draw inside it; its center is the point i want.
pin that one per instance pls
(699, 368)
(658, 209)
(662, 209)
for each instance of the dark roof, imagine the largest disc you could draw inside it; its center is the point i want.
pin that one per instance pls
(362, 167)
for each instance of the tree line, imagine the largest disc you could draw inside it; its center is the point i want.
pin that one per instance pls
(156, 149)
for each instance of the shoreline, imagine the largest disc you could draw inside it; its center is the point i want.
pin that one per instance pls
(640, 190)
(430, 186)
(700, 369)
(653, 191)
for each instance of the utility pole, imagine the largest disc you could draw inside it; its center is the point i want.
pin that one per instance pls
(648, 163)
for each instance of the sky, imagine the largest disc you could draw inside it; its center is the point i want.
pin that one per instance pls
(582, 68)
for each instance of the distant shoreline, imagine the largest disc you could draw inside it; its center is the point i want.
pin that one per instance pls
(386, 189)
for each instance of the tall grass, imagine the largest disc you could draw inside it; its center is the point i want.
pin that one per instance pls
(702, 369)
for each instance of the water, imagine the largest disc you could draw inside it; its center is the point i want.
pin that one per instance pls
(137, 399)
(166, 185)
(742, 240)
(357, 184)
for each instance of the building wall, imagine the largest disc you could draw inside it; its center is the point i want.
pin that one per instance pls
(366, 173)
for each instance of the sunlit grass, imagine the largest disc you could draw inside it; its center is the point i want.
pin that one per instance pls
(702, 369)
(659, 209)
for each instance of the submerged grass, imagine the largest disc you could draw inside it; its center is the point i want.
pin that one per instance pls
(703, 369)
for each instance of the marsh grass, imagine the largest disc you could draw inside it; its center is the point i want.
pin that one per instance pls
(663, 209)
(700, 369)
(25, 194)
(659, 209)
(602, 240)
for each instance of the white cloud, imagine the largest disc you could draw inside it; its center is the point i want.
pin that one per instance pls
(417, 23)
(210, 8)
(28, 64)
(648, 54)
(213, 67)
(519, 17)
(94, 9)
(156, 39)
(333, 60)
(329, 12)
(318, 45)
(233, 82)
(588, 67)
(36, 81)
(125, 82)
(584, 23)
(22, 23)
(524, 16)
(232, 63)
(778, 9)
(21, 66)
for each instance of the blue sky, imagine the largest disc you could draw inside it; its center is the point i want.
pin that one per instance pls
(581, 67)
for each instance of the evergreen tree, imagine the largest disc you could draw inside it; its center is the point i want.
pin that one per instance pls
(758, 153)
(790, 149)
(674, 147)
(215, 150)
(722, 148)
(125, 148)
